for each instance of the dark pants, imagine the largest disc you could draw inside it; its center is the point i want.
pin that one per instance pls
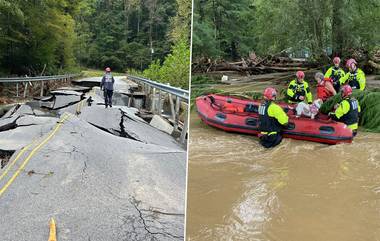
(108, 97)
(269, 141)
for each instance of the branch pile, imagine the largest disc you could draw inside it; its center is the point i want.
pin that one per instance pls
(253, 65)
(374, 62)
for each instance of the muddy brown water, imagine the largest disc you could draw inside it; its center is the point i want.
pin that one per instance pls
(298, 191)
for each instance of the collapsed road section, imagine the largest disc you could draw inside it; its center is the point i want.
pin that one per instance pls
(102, 174)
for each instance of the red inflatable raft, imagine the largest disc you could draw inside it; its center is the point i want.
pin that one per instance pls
(240, 115)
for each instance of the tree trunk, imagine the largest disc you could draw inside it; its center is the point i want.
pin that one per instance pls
(337, 31)
(127, 7)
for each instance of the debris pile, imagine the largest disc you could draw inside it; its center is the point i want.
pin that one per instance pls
(374, 61)
(254, 65)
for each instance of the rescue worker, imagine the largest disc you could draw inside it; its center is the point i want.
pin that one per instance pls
(348, 110)
(107, 86)
(355, 77)
(298, 89)
(335, 73)
(272, 119)
(325, 88)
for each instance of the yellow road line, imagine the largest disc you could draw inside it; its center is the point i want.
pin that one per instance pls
(5, 187)
(81, 103)
(10, 165)
(79, 106)
(53, 230)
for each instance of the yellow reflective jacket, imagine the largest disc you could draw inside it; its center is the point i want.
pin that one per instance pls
(295, 90)
(347, 111)
(356, 80)
(271, 117)
(334, 74)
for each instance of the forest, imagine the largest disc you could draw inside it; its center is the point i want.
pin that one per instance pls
(230, 29)
(42, 37)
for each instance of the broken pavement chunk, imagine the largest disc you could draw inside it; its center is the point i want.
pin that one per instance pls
(24, 130)
(161, 124)
(126, 124)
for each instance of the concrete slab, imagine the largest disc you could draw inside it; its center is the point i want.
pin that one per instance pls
(20, 109)
(161, 124)
(62, 101)
(29, 128)
(35, 120)
(126, 124)
(88, 82)
(65, 92)
(75, 88)
(131, 112)
(8, 123)
(10, 111)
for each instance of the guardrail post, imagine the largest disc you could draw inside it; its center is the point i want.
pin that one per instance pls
(153, 100)
(172, 107)
(42, 89)
(17, 90)
(130, 100)
(177, 107)
(182, 138)
(159, 102)
(25, 89)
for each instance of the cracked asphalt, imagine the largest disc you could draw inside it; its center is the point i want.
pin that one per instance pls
(95, 181)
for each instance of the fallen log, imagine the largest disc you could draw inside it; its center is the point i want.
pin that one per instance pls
(373, 64)
(285, 69)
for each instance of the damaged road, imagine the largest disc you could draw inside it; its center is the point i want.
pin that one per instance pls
(102, 174)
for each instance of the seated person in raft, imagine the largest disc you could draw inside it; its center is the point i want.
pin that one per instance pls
(304, 109)
(298, 90)
(325, 87)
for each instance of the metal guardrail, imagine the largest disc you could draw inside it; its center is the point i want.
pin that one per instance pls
(26, 81)
(38, 78)
(184, 94)
(150, 86)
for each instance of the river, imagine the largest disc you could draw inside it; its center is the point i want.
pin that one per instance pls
(298, 191)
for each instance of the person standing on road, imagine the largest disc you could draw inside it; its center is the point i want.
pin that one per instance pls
(298, 90)
(272, 119)
(107, 86)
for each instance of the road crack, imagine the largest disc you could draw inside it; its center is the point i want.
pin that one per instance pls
(144, 222)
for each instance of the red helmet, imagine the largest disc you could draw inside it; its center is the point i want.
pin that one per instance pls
(346, 90)
(300, 74)
(350, 62)
(108, 69)
(336, 60)
(270, 93)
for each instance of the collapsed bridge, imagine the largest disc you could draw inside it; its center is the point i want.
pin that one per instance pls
(102, 174)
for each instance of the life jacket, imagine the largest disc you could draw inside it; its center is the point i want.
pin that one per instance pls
(266, 122)
(322, 92)
(229, 107)
(352, 80)
(335, 74)
(298, 89)
(352, 116)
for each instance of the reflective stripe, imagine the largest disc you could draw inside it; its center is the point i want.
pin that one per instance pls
(355, 104)
(270, 133)
(262, 109)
